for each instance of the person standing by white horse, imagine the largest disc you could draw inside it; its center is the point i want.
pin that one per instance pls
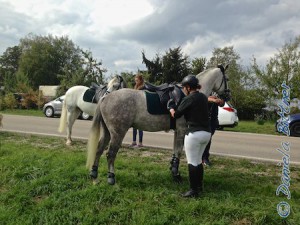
(139, 85)
(194, 108)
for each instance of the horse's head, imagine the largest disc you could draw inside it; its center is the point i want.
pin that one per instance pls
(215, 80)
(223, 90)
(115, 84)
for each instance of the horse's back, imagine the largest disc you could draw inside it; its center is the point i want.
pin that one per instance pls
(76, 89)
(128, 108)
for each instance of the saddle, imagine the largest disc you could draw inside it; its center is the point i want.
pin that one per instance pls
(94, 93)
(158, 97)
(166, 92)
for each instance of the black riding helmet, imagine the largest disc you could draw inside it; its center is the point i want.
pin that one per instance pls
(190, 80)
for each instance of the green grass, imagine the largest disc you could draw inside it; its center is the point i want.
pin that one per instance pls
(44, 182)
(252, 127)
(23, 112)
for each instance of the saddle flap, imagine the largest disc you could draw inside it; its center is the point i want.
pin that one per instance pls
(94, 93)
(154, 88)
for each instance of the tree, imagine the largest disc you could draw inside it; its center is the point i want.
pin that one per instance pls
(198, 65)
(246, 96)
(9, 63)
(40, 60)
(48, 60)
(88, 70)
(283, 66)
(154, 68)
(173, 66)
(92, 68)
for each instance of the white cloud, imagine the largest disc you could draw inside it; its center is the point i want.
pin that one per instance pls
(117, 31)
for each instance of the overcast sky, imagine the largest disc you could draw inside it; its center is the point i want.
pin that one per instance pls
(116, 31)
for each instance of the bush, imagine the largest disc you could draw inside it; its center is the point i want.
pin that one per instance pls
(30, 100)
(41, 100)
(294, 110)
(10, 101)
(259, 119)
(2, 106)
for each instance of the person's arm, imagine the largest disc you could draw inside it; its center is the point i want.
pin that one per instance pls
(216, 100)
(181, 108)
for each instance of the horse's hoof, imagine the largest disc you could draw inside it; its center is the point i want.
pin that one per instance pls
(174, 170)
(69, 143)
(177, 179)
(94, 174)
(111, 178)
(95, 181)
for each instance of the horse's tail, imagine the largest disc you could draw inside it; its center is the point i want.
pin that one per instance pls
(94, 138)
(62, 121)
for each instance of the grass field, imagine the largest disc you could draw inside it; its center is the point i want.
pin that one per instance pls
(44, 182)
(252, 127)
(23, 112)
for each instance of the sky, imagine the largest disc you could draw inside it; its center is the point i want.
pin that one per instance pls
(117, 31)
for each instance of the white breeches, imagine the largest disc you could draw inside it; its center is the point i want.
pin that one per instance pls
(194, 146)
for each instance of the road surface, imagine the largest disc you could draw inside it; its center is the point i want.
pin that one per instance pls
(225, 143)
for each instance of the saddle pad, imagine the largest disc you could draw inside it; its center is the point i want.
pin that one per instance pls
(89, 96)
(153, 104)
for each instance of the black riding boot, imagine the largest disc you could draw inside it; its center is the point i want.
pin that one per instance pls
(200, 177)
(194, 174)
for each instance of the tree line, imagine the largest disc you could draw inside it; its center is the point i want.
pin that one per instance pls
(48, 60)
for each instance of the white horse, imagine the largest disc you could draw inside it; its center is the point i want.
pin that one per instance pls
(74, 104)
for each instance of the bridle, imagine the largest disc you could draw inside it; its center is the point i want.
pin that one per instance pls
(226, 95)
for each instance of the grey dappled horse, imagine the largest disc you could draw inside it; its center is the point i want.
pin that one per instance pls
(74, 103)
(126, 108)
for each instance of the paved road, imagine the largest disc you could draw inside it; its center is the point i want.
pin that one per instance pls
(233, 144)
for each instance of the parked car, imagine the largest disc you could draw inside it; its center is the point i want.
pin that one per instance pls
(227, 116)
(54, 107)
(294, 124)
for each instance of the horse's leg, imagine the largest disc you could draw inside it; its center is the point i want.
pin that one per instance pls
(177, 151)
(72, 115)
(103, 142)
(115, 143)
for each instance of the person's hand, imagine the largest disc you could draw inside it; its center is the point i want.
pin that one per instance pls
(220, 102)
(172, 111)
(171, 104)
(212, 98)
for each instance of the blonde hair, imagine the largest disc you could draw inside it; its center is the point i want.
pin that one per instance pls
(141, 85)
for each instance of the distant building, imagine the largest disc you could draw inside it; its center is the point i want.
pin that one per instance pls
(49, 92)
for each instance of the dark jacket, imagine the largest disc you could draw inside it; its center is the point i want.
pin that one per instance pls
(194, 107)
(213, 114)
